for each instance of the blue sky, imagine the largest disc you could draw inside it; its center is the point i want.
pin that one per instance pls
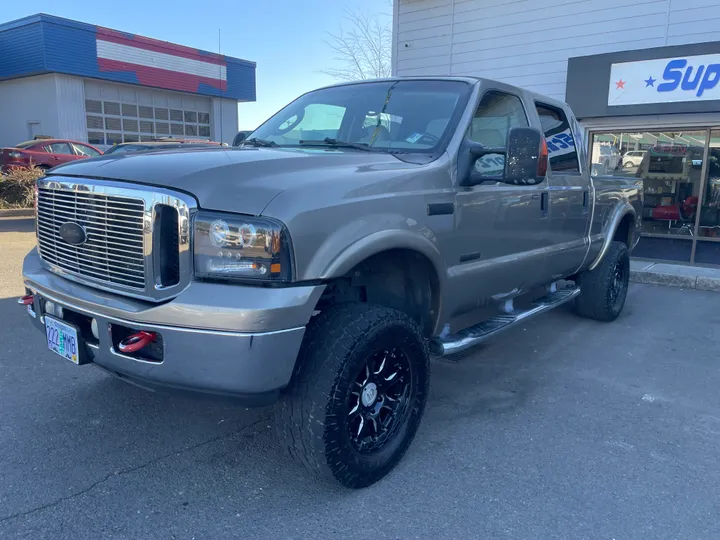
(284, 37)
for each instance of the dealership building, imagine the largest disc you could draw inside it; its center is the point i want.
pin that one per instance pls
(642, 77)
(67, 79)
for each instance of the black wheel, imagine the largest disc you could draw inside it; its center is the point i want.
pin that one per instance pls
(628, 164)
(357, 395)
(604, 289)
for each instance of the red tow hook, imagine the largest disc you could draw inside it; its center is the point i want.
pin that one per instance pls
(26, 300)
(137, 341)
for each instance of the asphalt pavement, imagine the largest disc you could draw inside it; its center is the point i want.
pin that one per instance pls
(560, 429)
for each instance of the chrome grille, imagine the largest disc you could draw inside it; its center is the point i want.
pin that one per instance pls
(114, 250)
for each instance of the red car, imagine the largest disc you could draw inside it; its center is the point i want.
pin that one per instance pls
(45, 153)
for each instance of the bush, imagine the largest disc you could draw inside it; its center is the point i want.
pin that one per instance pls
(17, 188)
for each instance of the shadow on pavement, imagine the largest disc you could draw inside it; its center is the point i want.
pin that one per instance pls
(14, 224)
(75, 427)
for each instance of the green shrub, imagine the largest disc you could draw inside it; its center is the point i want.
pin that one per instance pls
(17, 187)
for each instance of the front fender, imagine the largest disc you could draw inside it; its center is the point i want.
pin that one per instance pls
(383, 241)
(358, 240)
(620, 211)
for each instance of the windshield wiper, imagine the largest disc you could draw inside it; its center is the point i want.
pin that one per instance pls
(329, 141)
(259, 142)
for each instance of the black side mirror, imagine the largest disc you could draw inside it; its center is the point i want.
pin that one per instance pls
(240, 137)
(522, 162)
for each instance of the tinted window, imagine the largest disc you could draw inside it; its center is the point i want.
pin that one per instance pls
(59, 148)
(404, 116)
(496, 114)
(27, 145)
(559, 137)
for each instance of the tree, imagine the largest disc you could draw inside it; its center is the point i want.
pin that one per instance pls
(363, 48)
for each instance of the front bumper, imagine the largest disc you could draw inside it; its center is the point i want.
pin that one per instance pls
(215, 338)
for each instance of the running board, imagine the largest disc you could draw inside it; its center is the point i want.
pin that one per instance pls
(474, 335)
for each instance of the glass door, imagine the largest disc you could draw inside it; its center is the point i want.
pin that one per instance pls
(707, 248)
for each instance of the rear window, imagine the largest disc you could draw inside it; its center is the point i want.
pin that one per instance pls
(559, 138)
(26, 145)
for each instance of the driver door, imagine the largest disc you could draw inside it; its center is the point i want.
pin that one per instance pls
(502, 230)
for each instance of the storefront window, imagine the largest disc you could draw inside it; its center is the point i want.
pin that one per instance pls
(709, 223)
(678, 206)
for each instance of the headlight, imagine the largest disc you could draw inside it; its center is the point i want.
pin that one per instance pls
(229, 246)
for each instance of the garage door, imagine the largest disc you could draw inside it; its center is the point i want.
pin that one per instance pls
(119, 113)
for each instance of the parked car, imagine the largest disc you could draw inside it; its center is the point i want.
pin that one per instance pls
(45, 153)
(607, 157)
(319, 273)
(130, 147)
(633, 158)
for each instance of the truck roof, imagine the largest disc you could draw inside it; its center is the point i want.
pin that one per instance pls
(465, 78)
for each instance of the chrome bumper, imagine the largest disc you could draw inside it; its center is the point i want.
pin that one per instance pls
(216, 338)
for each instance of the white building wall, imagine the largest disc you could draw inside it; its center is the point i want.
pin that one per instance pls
(28, 106)
(70, 112)
(528, 42)
(54, 105)
(224, 121)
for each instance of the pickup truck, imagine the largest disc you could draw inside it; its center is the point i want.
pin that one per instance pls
(360, 230)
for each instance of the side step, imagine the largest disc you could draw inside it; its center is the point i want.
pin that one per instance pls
(474, 335)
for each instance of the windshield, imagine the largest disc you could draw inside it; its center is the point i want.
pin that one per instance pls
(405, 116)
(128, 148)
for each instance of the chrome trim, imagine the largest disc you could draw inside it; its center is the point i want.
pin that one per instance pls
(154, 326)
(133, 358)
(151, 198)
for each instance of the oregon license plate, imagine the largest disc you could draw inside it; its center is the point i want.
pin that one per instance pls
(62, 339)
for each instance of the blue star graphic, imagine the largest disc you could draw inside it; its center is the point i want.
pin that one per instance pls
(650, 82)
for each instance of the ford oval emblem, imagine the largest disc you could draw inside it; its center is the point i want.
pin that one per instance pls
(73, 233)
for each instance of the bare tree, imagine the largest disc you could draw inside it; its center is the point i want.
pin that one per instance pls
(363, 47)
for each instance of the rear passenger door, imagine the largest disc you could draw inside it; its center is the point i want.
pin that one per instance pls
(569, 193)
(60, 153)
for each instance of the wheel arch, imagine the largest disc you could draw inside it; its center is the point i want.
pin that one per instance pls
(621, 227)
(395, 269)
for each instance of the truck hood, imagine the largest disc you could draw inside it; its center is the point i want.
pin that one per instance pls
(242, 180)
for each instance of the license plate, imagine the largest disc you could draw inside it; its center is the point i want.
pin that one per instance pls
(62, 339)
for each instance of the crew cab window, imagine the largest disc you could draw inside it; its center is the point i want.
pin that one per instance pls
(59, 148)
(559, 137)
(82, 150)
(495, 115)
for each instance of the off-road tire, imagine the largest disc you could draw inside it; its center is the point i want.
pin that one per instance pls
(312, 415)
(604, 289)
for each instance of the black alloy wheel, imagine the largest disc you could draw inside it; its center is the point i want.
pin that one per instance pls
(603, 290)
(619, 281)
(378, 401)
(357, 395)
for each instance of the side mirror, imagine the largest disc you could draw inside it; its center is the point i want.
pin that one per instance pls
(240, 137)
(523, 161)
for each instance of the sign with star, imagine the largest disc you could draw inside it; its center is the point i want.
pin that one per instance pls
(665, 80)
